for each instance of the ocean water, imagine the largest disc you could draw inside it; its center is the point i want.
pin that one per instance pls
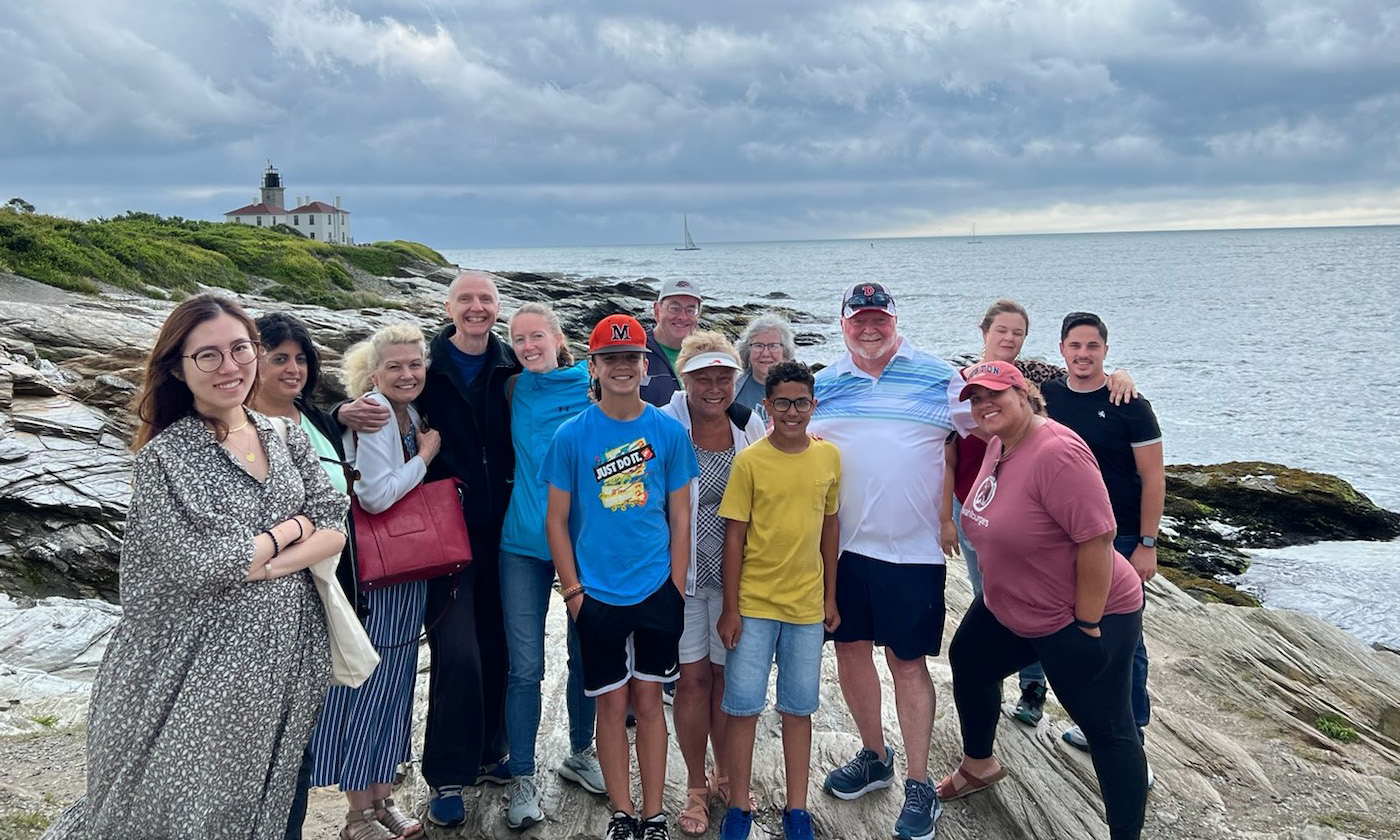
(1273, 345)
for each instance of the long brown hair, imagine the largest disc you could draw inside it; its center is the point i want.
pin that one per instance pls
(164, 397)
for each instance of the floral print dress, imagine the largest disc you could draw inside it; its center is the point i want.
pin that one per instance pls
(208, 692)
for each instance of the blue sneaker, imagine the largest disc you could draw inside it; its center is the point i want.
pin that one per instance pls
(445, 808)
(921, 810)
(860, 775)
(797, 824)
(736, 824)
(495, 773)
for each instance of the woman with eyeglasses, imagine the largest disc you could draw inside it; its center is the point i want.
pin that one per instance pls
(766, 341)
(1053, 591)
(288, 373)
(209, 689)
(718, 429)
(363, 734)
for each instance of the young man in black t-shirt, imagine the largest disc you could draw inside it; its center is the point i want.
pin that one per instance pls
(1127, 442)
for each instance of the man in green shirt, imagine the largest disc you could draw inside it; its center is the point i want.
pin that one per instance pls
(676, 312)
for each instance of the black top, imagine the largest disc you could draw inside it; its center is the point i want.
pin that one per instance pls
(347, 572)
(1111, 432)
(660, 380)
(474, 421)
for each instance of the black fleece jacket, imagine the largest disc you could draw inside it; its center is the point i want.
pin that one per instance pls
(474, 420)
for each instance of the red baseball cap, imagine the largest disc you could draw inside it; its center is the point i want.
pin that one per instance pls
(994, 376)
(617, 334)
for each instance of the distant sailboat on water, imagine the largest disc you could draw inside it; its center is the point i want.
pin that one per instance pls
(689, 243)
(974, 240)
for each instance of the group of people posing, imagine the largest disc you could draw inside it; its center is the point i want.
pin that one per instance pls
(710, 511)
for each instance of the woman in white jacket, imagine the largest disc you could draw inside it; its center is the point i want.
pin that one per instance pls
(363, 733)
(708, 365)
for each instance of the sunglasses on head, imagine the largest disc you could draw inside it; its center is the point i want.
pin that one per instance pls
(864, 301)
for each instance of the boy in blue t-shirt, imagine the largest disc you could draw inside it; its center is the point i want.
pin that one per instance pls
(618, 524)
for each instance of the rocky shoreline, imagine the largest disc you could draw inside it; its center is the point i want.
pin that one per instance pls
(1267, 723)
(70, 364)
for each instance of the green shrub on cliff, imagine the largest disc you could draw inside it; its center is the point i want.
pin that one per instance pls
(172, 257)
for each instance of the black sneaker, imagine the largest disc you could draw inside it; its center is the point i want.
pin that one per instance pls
(621, 827)
(1031, 707)
(653, 828)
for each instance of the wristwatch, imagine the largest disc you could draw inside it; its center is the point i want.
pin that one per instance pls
(1148, 542)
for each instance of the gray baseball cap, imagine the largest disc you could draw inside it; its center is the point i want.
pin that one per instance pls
(671, 288)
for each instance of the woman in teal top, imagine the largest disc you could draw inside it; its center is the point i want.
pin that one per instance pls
(549, 391)
(287, 374)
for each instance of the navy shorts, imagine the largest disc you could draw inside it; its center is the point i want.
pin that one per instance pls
(898, 606)
(637, 641)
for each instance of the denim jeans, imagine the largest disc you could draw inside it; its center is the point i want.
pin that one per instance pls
(1142, 704)
(525, 585)
(1032, 673)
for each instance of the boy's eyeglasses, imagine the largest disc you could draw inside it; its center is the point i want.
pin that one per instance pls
(802, 404)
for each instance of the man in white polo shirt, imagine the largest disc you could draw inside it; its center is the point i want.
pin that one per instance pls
(885, 405)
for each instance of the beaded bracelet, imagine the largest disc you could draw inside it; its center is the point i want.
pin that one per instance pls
(572, 592)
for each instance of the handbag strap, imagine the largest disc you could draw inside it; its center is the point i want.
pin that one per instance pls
(451, 596)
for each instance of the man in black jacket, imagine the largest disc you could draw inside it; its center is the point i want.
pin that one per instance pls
(464, 399)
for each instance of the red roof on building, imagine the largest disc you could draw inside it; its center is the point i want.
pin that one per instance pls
(257, 210)
(317, 207)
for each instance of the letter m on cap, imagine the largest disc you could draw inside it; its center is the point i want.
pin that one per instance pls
(621, 332)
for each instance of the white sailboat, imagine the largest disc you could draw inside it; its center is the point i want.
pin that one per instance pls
(974, 240)
(689, 243)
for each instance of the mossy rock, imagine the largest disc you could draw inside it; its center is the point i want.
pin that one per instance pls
(1272, 505)
(1207, 589)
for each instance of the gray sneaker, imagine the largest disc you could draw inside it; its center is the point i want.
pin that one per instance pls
(860, 775)
(582, 769)
(523, 798)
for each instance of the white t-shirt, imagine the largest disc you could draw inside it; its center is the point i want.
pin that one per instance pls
(890, 432)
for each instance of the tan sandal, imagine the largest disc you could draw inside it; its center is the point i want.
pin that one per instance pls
(695, 813)
(719, 786)
(389, 816)
(361, 825)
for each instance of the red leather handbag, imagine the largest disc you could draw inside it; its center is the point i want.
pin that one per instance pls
(422, 536)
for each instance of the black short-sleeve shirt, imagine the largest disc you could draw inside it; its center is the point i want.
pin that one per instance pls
(1112, 432)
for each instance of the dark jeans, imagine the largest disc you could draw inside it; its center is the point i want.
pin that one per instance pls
(1092, 679)
(1142, 704)
(467, 675)
(298, 814)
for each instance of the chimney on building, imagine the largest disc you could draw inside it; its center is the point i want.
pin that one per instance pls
(337, 202)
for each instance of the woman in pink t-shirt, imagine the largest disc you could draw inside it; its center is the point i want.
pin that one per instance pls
(1053, 590)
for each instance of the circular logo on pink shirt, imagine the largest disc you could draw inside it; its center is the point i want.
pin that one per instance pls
(986, 491)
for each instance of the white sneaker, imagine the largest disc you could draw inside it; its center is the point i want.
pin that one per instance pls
(1151, 777)
(1074, 736)
(523, 797)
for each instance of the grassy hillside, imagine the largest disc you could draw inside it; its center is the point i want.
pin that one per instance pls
(164, 257)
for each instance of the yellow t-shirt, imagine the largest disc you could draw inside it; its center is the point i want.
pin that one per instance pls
(784, 498)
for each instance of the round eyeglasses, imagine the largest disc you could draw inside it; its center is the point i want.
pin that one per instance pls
(211, 359)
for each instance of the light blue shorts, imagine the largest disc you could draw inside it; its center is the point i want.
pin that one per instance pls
(798, 651)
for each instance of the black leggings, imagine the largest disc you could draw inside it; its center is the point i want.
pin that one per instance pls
(1092, 679)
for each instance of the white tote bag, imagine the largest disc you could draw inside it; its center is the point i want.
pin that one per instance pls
(353, 657)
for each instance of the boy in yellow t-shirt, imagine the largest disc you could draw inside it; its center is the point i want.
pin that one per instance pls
(779, 577)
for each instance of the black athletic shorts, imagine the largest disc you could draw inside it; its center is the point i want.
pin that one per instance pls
(896, 605)
(639, 641)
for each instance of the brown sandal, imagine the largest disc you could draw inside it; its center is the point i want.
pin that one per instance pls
(361, 825)
(696, 811)
(948, 791)
(389, 816)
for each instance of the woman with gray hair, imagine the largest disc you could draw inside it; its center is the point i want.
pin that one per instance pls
(766, 341)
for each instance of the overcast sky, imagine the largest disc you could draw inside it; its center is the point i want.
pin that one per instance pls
(477, 124)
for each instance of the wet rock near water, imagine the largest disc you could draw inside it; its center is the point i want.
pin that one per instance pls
(71, 364)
